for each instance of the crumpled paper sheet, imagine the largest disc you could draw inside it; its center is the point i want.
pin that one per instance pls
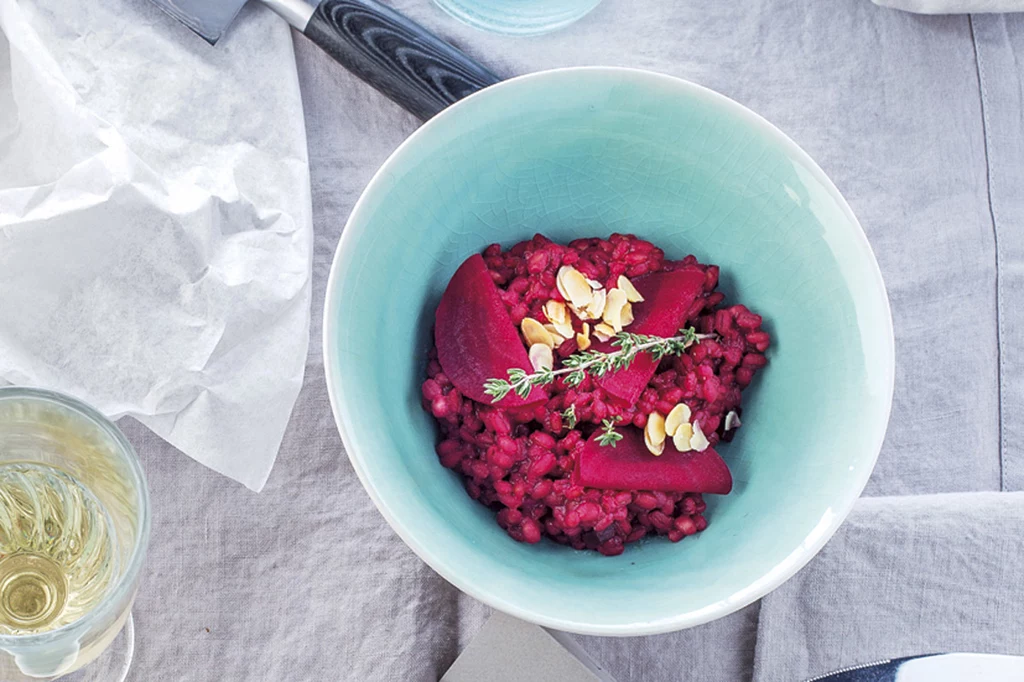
(155, 222)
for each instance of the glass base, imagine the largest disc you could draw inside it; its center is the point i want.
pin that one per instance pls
(113, 664)
(518, 17)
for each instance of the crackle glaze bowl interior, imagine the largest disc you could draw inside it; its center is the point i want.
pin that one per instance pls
(585, 152)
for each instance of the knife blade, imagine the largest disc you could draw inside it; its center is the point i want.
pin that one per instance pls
(403, 60)
(208, 18)
(934, 668)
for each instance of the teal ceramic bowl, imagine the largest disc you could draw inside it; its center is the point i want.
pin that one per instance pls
(582, 152)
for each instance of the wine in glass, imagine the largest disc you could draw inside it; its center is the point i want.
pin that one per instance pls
(74, 525)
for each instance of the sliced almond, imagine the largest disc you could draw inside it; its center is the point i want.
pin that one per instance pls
(594, 284)
(564, 329)
(654, 449)
(632, 295)
(541, 357)
(681, 439)
(698, 441)
(561, 323)
(679, 415)
(583, 338)
(534, 333)
(627, 314)
(555, 336)
(613, 309)
(654, 433)
(556, 312)
(596, 307)
(574, 287)
(559, 283)
(553, 331)
(603, 332)
(732, 421)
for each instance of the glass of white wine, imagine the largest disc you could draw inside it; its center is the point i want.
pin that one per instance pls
(74, 526)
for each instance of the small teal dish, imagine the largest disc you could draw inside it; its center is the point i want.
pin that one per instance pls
(591, 151)
(518, 17)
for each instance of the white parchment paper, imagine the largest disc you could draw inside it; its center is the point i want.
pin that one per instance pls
(155, 227)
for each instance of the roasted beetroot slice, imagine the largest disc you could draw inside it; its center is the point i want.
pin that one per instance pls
(475, 337)
(630, 466)
(667, 298)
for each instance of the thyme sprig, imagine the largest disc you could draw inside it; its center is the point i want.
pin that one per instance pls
(569, 415)
(578, 365)
(609, 436)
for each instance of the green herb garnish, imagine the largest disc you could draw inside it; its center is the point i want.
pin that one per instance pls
(569, 416)
(609, 436)
(578, 365)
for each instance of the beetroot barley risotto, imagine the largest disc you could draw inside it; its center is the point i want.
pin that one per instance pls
(581, 390)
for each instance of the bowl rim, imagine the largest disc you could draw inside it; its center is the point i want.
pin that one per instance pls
(777, 575)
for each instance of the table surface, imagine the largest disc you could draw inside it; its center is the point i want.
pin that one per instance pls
(918, 121)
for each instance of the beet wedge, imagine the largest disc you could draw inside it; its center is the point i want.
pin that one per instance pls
(630, 466)
(667, 298)
(475, 337)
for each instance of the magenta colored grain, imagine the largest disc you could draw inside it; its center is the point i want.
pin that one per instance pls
(520, 461)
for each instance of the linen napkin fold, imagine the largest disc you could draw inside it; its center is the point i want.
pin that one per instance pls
(953, 6)
(155, 222)
(902, 576)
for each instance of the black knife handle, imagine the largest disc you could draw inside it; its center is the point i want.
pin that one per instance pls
(415, 68)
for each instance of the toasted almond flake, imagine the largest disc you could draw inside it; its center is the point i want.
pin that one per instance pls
(556, 312)
(613, 309)
(698, 441)
(603, 332)
(579, 312)
(534, 333)
(541, 357)
(573, 286)
(632, 295)
(679, 415)
(655, 427)
(560, 322)
(655, 449)
(681, 439)
(732, 421)
(627, 314)
(654, 433)
(583, 313)
(559, 285)
(555, 336)
(583, 338)
(596, 307)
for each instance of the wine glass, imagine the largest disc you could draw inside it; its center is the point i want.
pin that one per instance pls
(74, 527)
(518, 17)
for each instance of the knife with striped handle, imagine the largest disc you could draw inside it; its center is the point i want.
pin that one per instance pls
(413, 67)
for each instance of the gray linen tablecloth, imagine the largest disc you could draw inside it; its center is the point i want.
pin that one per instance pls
(919, 121)
(905, 575)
